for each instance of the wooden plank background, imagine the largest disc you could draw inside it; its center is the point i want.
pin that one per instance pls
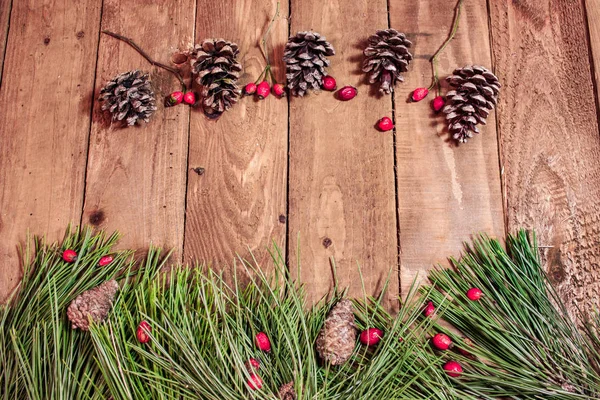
(310, 174)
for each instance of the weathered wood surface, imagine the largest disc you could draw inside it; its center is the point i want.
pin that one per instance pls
(446, 193)
(136, 176)
(351, 193)
(45, 100)
(5, 7)
(238, 204)
(547, 121)
(341, 186)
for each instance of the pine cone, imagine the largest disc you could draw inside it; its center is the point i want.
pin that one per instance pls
(217, 69)
(129, 97)
(475, 95)
(94, 303)
(337, 338)
(387, 56)
(286, 391)
(305, 57)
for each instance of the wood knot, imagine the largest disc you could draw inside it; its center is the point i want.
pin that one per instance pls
(282, 219)
(97, 217)
(199, 170)
(80, 34)
(47, 40)
(327, 242)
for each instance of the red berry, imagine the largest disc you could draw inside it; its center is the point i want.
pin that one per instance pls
(453, 369)
(142, 332)
(263, 89)
(252, 364)
(278, 90)
(429, 309)
(262, 341)
(347, 93)
(464, 352)
(438, 103)
(329, 83)
(385, 124)
(474, 294)
(419, 94)
(175, 98)
(250, 88)
(105, 260)
(69, 255)
(371, 336)
(441, 341)
(255, 382)
(189, 98)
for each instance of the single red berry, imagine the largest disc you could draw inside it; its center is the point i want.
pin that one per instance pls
(429, 309)
(438, 103)
(175, 98)
(142, 332)
(262, 341)
(453, 369)
(441, 341)
(69, 255)
(255, 382)
(385, 124)
(250, 88)
(474, 294)
(347, 93)
(371, 336)
(263, 89)
(105, 260)
(329, 83)
(278, 90)
(189, 98)
(252, 364)
(419, 94)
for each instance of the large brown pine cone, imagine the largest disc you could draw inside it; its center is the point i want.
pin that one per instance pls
(337, 338)
(474, 96)
(129, 97)
(94, 303)
(305, 57)
(386, 57)
(214, 62)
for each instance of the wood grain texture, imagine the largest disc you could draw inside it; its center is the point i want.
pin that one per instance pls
(341, 194)
(136, 176)
(593, 21)
(446, 192)
(549, 136)
(5, 7)
(44, 123)
(236, 204)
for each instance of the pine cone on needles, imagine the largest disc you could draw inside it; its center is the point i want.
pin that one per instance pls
(217, 69)
(473, 98)
(94, 303)
(129, 97)
(337, 338)
(387, 56)
(305, 57)
(286, 391)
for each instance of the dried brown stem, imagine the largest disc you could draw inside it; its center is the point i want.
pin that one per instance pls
(130, 42)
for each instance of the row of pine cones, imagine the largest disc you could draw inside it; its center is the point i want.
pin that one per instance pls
(129, 96)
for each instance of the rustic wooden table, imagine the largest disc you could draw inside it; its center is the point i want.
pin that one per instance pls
(313, 167)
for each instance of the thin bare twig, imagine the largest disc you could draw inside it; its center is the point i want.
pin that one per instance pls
(130, 42)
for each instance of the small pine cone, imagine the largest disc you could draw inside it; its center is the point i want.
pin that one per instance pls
(214, 62)
(305, 57)
(94, 303)
(337, 338)
(387, 56)
(129, 97)
(474, 97)
(286, 391)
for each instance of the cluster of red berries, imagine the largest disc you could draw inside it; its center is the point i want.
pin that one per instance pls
(176, 98)
(70, 256)
(420, 93)
(442, 341)
(263, 89)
